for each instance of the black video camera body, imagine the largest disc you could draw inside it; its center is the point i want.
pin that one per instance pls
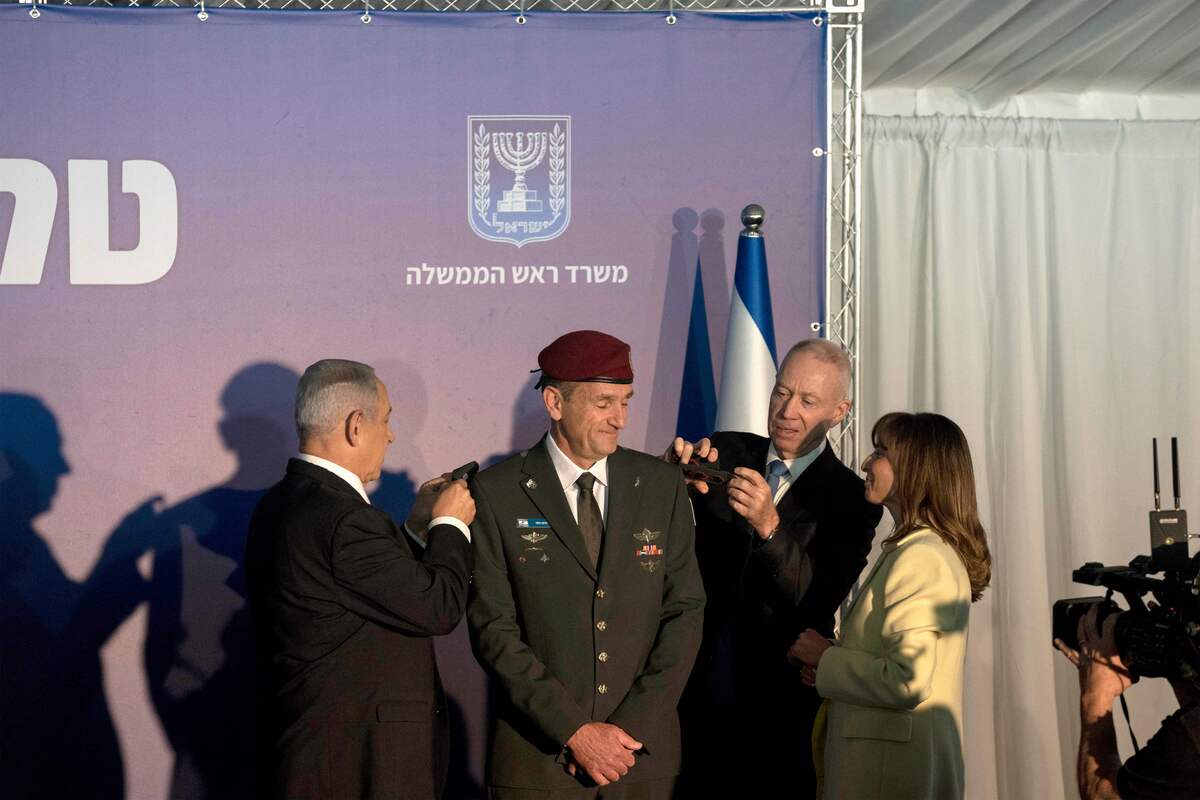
(1159, 641)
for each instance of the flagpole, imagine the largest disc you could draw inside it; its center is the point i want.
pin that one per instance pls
(748, 371)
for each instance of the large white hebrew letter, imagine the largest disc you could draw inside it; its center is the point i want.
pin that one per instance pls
(92, 262)
(36, 192)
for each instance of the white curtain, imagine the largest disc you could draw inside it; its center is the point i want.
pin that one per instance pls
(1038, 281)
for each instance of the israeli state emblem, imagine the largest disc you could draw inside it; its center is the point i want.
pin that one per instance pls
(520, 177)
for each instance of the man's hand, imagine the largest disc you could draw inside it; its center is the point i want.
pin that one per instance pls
(807, 651)
(422, 510)
(681, 452)
(1102, 675)
(750, 496)
(603, 750)
(455, 500)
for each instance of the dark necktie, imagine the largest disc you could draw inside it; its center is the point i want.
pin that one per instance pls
(591, 524)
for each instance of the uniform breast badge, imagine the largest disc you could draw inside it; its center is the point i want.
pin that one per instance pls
(649, 555)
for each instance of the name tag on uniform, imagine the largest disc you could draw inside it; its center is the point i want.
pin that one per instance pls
(532, 522)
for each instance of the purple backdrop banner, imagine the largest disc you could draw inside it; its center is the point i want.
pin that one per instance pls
(192, 212)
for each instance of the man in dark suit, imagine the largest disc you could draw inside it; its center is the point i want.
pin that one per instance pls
(344, 604)
(779, 546)
(587, 605)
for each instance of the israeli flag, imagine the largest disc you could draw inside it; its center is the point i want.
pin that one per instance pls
(748, 373)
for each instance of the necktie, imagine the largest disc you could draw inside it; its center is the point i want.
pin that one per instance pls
(591, 524)
(775, 472)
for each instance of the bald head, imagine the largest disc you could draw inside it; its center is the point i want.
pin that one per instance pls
(811, 395)
(827, 352)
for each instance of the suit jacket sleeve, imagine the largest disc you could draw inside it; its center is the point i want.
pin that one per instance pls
(839, 550)
(920, 600)
(655, 694)
(840, 556)
(379, 579)
(497, 641)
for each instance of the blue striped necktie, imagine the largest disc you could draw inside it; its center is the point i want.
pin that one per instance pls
(775, 472)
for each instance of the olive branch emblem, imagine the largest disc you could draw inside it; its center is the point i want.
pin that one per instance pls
(483, 172)
(558, 173)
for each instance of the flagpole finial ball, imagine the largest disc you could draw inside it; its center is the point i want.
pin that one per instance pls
(752, 217)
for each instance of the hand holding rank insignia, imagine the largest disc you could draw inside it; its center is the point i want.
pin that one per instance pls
(697, 460)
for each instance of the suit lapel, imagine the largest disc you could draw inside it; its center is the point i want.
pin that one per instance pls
(540, 484)
(622, 505)
(797, 501)
(754, 457)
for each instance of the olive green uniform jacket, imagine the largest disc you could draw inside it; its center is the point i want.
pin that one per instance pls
(568, 643)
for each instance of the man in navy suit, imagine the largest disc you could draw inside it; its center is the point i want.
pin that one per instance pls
(779, 547)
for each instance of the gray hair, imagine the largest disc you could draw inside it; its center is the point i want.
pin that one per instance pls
(828, 352)
(329, 391)
(565, 388)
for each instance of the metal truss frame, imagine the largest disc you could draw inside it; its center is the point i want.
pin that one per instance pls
(843, 212)
(843, 84)
(519, 6)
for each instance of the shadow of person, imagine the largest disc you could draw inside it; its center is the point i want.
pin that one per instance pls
(56, 736)
(198, 651)
(529, 423)
(467, 692)
(665, 386)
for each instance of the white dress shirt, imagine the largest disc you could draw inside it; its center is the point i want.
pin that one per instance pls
(569, 472)
(356, 484)
(796, 467)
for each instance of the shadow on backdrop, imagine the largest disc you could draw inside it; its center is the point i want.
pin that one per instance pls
(673, 329)
(529, 422)
(691, 257)
(395, 493)
(56, 737)
(198, 652)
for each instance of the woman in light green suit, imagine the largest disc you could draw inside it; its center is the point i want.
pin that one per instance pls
(893, 680)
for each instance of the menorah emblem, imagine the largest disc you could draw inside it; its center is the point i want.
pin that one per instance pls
(519, 158)
(536, 150)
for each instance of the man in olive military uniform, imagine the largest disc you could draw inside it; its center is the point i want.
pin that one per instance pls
(587, 605)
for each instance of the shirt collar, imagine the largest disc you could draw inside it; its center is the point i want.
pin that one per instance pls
(796, 466)
(568, 471)
(337, 469)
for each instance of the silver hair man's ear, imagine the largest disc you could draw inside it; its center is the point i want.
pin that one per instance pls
(331, 389)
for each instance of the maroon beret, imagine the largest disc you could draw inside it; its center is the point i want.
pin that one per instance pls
(586, 356)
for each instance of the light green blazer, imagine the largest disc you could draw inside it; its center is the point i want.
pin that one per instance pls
(895, 678)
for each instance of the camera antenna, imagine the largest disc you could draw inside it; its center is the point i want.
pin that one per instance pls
(1175, 468)
(1157, 502)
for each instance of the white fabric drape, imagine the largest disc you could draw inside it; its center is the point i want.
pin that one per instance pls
(1038, 281)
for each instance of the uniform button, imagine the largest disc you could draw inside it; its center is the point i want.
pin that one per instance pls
(601, 625)
(600, 593)
(603, 656)
(602, 688)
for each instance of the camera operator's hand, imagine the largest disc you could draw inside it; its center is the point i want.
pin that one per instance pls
(1102, 675)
